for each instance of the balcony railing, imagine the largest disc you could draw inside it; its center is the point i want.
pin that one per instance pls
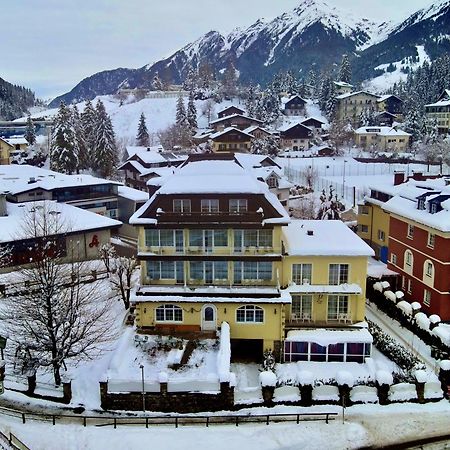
(213, 251)
(208, 217)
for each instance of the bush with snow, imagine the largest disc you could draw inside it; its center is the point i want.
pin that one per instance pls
(421, 376)
(445, 365)
(433, 390)
(377, 287)
(343, 377)
(325, 393)
(434, 319)
(399, 294)
(416, 306)
(364, 394)
(385, 284)
(305, 378)
(384, 377)
(390, 296)
(443, 333)
(405, 307)
(268, 379)
(402, 392)
(422, 321)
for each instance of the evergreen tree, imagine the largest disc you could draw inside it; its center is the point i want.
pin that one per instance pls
(105, 148)
(229, 84)
(88, 122)
(157, 83)
(30, 131)
(414, 125)
(330, 105)
(62, 152)
(181, 116)
(191, 114)
(345, 71)
(142, 138)
(252, 96)
(80, 147)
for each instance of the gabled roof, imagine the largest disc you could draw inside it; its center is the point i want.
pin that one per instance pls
(285, 101)
(288, 126)
(351, 94)
(233, 116)
(386, 113)
(253, 128)
(343, 84)
(229, 130)
(311, 118)
(6, 142)
(385, 97)
(445, 95)
(231, 107)
(381, 131)
(16, 140)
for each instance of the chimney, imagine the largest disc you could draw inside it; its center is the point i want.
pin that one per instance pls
(148, 149)
(310, 233)
(399, 178)
(418, 176)
(32, 180)
(3, 207)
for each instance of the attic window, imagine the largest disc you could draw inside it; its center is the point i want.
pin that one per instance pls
(433, 208)
(421, 204)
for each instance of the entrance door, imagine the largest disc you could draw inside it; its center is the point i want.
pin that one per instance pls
(209, 318)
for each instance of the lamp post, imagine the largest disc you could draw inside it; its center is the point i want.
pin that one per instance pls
(143, 387)
(343, 180)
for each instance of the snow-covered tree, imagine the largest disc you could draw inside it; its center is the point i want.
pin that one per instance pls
(107, 253)
(80, 146)
(414, 124)
(345, 70)
(59, 317)
(191, 114)
(105, 148)
(229, 82)
(252, 96)
(88, 121)
(157, 83)
(330, 206)
(122, 271)
(142, 138)
(63, 157)
(30, 131)
(181, 115)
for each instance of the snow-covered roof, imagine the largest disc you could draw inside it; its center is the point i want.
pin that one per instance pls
(349, 289)
(132, 194)
(230, 107)
(253, 161)
(153, 155)
(16, 141)
(328, 238)
(381, 131)
(68, 218)
(251, 129)
(343, 84)
(385, 97)
(285, 100)
(228, 130)
(312, 118)
(326, 337)
(22, 178)
(234, 116)
(289, 125)
(440, 103)
(351, 94)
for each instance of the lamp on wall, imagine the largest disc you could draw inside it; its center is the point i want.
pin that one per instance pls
(145, 310)
(192, 310)
(224, 310)
(275, 310)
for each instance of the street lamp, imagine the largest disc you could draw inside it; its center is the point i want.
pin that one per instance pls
(143, 387)
(343, 180)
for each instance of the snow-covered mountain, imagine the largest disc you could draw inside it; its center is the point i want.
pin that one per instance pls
(312, 35)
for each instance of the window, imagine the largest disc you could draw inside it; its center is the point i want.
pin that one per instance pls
(409, 261)
(272, 182)
(252, 238)
(409, 287)
(426, 297)
(364, 228)
(208, 271)
(337, 305)
(182, 206)
(301, 273)
(169, 313)
(238, 205)
(210, 206)
(164, 238)
(410, 232)
(394, 259)
(381, 235)
(421, 204)
(433, 208)
(166, 270)
(338, 274)
(302, 305)
(252, 270)
(364, 210)
(403, 282)
(250, 313)
(208, 238)
(431, 240)
(429, 269)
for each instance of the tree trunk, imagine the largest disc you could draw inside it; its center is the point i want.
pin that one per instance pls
(56, 373)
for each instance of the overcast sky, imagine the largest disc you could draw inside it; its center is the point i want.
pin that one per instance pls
(51, 45)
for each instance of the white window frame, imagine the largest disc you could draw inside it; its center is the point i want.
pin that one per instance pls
(381, 235)
(301, 270)
(209, 205)
(340, 268)
(394, 259)
(410, 231)
(238, 205)
(250, 308)
(426, 297)
(431, 240)
(184, 205)
(165, 308)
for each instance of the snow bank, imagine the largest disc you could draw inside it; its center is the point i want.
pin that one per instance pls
(305, 378)
(405, 308)
(344, 377)
(268, 378)
(118, 386)
(402, 392)
(422, 321)
(445, 364)
(163, 377)
(224, 355)
(391, 296)
(286, 394)
(364, 394)
(421, 376)
(325, 393)
(384, 377)
(174, 356)
(193, 386)
(248, 396)
(433, 390)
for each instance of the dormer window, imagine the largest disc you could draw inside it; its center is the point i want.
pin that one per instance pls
(182, 206)
(421, 204)
(433, 208)
(238, 205)
(272, 182)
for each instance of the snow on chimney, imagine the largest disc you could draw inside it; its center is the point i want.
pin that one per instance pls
(399, 178)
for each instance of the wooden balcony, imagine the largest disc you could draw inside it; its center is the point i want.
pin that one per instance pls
(196, 217)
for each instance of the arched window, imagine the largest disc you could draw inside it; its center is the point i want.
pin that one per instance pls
(429, 269)
(408, 261)
(169, 313)
(250, 313)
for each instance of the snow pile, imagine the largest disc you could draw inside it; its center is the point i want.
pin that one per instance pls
(224, 355)
(364, 394)
(421, 376)
(391, 296)
(405, 308)
(344, 377)
(385, 284)
(433, 390)
(384, 377)
(399, 294)
(443, 333)
(233, 380)
(378, 287)
(286, 394)
(325, 393)
(416, 306)
(445, 365)
(305, 378)
(268, 379)
(422, 321)
(193, 386)
(163, 377)
(402, 392)
(174, 356)
(434, 319)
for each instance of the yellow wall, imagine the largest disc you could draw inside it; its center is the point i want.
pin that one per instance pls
(5, 149)
(376, 219)
(231, 146)
(350, 108)
(270, 330)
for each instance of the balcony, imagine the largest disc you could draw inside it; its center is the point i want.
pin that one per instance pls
(206, 217)
(211, 251)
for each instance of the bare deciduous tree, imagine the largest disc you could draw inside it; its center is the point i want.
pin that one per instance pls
(60, 315)
(122, 271)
